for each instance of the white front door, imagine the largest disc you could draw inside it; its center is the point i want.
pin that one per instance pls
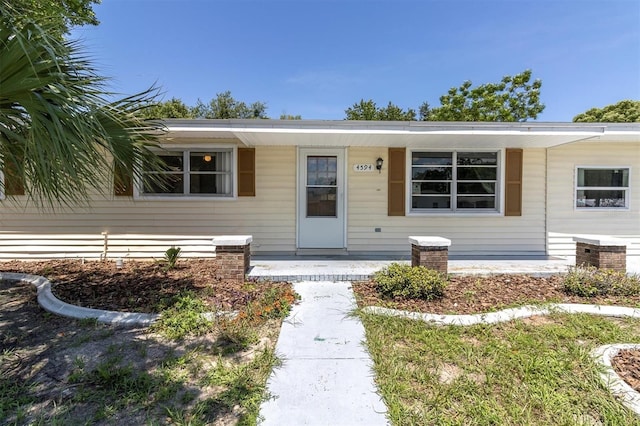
(321, 213)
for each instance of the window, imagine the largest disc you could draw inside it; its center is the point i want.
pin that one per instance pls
(454, 181)
(600, 187)
(322, 186)
(191, 173)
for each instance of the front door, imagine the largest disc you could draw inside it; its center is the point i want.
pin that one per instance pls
(321, 216)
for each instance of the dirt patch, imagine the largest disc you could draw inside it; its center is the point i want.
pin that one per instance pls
(65, 371)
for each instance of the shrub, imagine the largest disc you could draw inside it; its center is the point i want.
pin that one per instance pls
(590, 281)
(410, 282)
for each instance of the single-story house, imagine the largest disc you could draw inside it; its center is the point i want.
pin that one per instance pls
(363, 187)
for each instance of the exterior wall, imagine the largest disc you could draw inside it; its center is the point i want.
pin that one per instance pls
(270, 216)
(482, 234)
(564, 220)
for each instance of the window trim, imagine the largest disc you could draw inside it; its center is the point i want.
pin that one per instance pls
(500, 186)
(627, 189)
(139, 195)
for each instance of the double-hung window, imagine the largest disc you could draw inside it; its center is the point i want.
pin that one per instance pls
(198, 173)
(601, 187)
(459, 181)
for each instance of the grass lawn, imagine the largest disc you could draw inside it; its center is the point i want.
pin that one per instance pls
(536, 371)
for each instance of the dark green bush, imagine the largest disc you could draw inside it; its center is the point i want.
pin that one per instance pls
(591, 281)
(407, 282)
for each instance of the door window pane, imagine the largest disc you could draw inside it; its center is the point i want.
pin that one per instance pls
(321, 202)
(322, 170)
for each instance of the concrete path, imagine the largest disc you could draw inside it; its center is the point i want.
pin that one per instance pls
(327, 376)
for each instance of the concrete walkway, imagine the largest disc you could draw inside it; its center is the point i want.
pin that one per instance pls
(326, 377)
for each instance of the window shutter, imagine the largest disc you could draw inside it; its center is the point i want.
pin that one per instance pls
(246, 172)
(122, 181)
(396, 202)
(513, 188)
(13, 180)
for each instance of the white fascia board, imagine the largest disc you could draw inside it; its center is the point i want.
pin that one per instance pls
(410, 134)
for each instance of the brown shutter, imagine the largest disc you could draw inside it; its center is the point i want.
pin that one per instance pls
(246, 172)
(13, 180)
(513, 188)
(122, 181)
(395, 203)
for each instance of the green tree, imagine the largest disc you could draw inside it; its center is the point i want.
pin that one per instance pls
(59, 132)
(57, 15)
(225, 106)
(173, 108)
(514, 98)
(290, 117)
(368, 110)
(626, 111)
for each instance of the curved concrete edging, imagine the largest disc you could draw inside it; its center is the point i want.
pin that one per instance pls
(50, 303)
(621, 390)
(507, 314)
(603, 354)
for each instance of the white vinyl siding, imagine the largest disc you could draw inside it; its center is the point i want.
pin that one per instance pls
(566, 220)
(470, 234)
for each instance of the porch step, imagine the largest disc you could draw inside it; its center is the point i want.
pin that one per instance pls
(297, 270)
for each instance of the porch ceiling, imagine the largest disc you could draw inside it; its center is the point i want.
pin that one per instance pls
(395, 134)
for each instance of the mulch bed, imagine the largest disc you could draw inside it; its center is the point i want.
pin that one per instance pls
(139, 286)
(627, 364)
(480, 294)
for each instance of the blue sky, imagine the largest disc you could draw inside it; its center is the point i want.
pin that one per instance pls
(315, 58)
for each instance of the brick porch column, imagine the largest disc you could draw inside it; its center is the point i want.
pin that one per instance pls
(430, 252)
(602, 252)
(233, 256)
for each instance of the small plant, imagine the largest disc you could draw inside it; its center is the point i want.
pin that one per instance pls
(171, 257)
(183, 317)
(276, 302)
(590, 282)
(410, 282)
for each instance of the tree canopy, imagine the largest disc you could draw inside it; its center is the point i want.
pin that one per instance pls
(173, 108)
(57, 15)
(60, 132)
(225, 106)
(514, 98)
(368, 110)
(626, 111)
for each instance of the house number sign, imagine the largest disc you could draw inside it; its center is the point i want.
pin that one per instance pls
(363, 167)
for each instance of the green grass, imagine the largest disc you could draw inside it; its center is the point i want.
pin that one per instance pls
(519, 373)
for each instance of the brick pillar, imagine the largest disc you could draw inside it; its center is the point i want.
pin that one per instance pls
(602, 253)
(430, 252)
(233, 256)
